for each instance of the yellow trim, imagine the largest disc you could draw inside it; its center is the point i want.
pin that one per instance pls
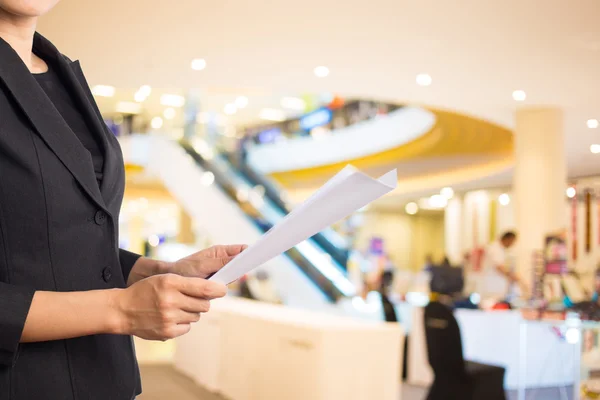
(493, 219)
(453, 134)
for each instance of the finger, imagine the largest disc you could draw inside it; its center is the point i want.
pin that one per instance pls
(234, 249)
(178, 330)
(209, 266)
(184, 317)
(195, 304)
(201, 288)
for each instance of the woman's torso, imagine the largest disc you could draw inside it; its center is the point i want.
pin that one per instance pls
(59, 232)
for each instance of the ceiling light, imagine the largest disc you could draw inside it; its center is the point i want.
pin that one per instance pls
(230, 109)
(128, 107)
(139, 96)
(504, 199)
(198, 64)
(241, 102)
(157, 122)
(321, 71)
(207, 178)
(438, 201)
(447, 192)
(519, 95)
(424, 80)
(153, 240)
(169, 113)
(172, 100)
(595, 148)
(103, 91)
(293, 103)
(145, 90)
(272, 114)
(571, 192)
(411, 208)
(592, 123)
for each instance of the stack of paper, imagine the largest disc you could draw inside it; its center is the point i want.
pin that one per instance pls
(341, 196)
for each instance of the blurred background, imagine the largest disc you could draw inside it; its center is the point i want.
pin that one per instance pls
(231, 113)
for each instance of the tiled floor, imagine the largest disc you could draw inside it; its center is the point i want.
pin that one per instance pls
(163, 382)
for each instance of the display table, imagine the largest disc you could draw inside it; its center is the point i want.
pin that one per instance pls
(534, 357)
(246, 350)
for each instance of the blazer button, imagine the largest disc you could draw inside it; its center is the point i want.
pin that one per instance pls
(107, 274)
(100, 217)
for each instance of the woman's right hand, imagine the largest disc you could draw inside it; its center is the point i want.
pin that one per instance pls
(163, 307)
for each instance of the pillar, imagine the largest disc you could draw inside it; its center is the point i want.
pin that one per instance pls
(186, 232)
(453, 227)
(539, 182)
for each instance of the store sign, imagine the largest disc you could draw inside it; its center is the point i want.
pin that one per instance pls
(320, 117)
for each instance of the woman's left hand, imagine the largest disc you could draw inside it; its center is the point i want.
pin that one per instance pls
(206, 262)
(200, 265)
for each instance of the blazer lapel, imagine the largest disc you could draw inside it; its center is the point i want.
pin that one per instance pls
(46, 120)
(92, 114)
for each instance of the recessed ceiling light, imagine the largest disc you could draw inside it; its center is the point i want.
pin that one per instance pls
(157, 122)
(169, 113)
(424, 80)
(128, 107)
(571, 192)
(293, 103)
(411, 208)
(198, 64)
(595, 148)
(321, 71)
(438, 201)
(230, 109)
(145, 90)
(172, 100)
(139, 96)
(103, 91)
(241, 102)
(519, 95)
(207, 178)
(592, 123)
(272, 114)
(504, 199)
(447, 192)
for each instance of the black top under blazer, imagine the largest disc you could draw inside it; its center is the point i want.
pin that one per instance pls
(58, 232)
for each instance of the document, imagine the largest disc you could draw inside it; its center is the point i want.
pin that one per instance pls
(342, 195)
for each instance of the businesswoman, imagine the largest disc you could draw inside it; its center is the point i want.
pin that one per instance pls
(69, 298)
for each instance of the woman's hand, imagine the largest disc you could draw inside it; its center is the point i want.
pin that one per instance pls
(164, 306)
(206, 262)
(201, 264)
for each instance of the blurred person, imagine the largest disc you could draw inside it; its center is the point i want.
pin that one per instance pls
(70, 299)
(499, 276)
(428, 263)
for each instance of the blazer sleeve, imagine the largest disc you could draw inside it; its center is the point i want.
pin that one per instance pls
(127, 260)
(15, 302)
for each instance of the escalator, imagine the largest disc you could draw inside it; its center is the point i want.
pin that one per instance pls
(320, 260)
(329, 240)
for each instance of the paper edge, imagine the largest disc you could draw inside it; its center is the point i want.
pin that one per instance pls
(390, 179)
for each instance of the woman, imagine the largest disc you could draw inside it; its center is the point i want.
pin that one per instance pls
(69, 298)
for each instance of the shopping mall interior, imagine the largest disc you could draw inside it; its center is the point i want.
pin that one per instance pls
(478, 274)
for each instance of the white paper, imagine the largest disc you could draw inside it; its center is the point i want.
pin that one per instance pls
(342, 195)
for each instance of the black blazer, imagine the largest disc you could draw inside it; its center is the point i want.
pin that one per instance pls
(58, 232)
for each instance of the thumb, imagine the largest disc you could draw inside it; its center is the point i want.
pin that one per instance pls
(211, 265)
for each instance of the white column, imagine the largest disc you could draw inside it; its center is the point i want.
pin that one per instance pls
(539, 182)
(453, 227)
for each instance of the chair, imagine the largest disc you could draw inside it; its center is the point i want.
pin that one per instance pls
(455, 378)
